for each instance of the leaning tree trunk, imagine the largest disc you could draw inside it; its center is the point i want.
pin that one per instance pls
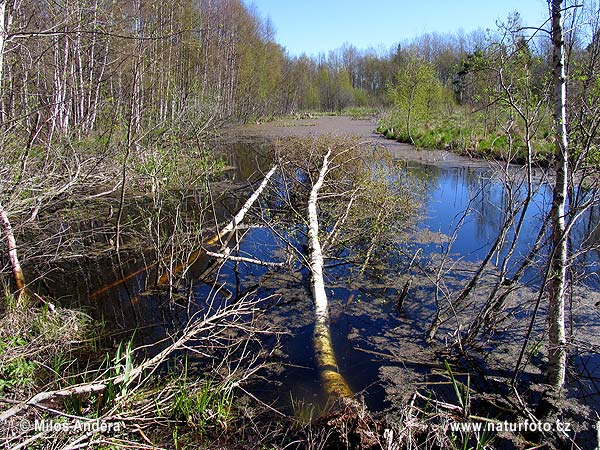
(333, 382)
(557, 353)
(230, 227)
(13, 256)
(218, 237)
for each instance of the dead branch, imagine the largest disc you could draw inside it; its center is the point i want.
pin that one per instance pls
(226, 255)
(219, 319)
(231, 226)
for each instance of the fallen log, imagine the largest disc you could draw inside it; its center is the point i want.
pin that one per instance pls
(333, 382)
(232, 225)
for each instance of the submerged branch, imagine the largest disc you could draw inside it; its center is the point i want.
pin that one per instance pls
(227, 255)
(230, 227)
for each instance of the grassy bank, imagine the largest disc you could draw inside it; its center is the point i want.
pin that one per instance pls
(355, 112)
(472, 134)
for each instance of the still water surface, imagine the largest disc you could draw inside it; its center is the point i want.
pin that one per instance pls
(364, 317)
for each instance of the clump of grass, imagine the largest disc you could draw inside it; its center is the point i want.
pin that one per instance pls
(17, 371)
(36, 344)
(360, 112)
(209, 405)
(306, 412)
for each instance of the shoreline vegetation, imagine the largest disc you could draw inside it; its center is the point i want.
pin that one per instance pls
(123, 211)
(472, 141)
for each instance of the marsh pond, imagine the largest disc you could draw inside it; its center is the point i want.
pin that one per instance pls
(404, 316)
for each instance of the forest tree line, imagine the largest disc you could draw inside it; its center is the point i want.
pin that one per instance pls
(80, 64)
(495, 100)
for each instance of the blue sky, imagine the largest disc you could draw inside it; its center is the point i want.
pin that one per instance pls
(313, 26)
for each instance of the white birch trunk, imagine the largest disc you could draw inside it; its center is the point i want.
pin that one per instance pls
(12, 254)
(333, 382)
(3, 37)
(6, 18)
(232, 225)
(242, 212)
(557, 353)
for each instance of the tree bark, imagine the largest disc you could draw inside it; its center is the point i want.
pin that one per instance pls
(3, 37)
(557, 354)
(12, 255)
(333, 381)
(242, 212)
(231, 226)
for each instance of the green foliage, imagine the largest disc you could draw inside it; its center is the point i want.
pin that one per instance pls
(472, 134)
(174, 158)
(119, 365)
(15, 372)
(360, 112)
(19, 372)
(35, 344)
(123, 364)
(209, 405)
(471, 440)
(462, 391)
(335, 89)
(361, 97)
(416, 94)
(304, 412)
(594, 156)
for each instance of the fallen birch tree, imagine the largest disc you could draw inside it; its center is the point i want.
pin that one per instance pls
(229, 228)
(218, 237)
(333, 382)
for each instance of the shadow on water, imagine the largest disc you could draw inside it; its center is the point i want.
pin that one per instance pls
(365, 321)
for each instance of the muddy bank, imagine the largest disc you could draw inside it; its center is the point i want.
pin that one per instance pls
(342, 126)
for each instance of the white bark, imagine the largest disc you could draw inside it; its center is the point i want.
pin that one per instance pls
(333, 382)
(316, 255)
(235, 222)
(226, 255)
(12, 253)
(557, 353)
(239, 217)
(3, 36)
(6, 18)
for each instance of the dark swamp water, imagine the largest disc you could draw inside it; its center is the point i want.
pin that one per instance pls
(381, 351)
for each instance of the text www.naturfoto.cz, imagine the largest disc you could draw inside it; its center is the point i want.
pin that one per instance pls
(527, 425)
